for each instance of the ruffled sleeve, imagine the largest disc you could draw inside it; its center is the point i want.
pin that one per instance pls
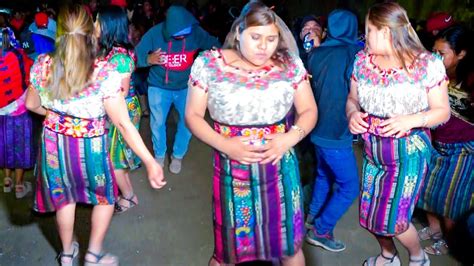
(358, 63)
(39, 72)
(124, 63)
(110, 81)
(435, 72)
(297, 72)
(199, 76)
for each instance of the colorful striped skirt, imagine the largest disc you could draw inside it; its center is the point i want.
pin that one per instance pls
(257, 209)
(121, 154)
(74, 165)
(393, 171)
(449, 186)
(16, 142)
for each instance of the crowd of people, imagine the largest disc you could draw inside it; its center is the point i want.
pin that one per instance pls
(91, 71)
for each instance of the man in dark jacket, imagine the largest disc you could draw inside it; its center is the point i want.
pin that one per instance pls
(337, 182)
(169, 49)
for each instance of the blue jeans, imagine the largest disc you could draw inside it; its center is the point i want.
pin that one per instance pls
(160, 101)
(335, 187)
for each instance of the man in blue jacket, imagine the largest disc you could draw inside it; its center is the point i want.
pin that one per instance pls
(169, 49)
(337, 181)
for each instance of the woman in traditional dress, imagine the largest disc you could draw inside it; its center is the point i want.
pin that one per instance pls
(448, 191)
(398, 91)
(115, 48)
(16, 136)
(249, 87)
(75, 92)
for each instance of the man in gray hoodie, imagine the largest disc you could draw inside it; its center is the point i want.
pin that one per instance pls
(169, 49)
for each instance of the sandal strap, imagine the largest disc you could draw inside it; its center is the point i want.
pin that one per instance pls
(75, 251)
(98, 257)
(122, 208)
(422, 261)
(390, 258)
(130, 199)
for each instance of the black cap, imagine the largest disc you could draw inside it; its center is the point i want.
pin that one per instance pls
(310, 18)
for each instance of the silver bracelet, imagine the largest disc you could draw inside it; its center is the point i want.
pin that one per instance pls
(424, 120)
(301, 131)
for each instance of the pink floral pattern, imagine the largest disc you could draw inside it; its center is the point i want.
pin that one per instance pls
(240, 97)
(88, 103)
(74, 126)
(389, 92)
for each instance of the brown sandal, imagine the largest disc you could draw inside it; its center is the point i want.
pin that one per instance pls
(119, 208)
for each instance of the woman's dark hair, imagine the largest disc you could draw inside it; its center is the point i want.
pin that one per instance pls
(113, 29)
(459, 40)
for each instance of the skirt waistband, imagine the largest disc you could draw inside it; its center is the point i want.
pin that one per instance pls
(74, 126)
(256, 133)
(375, 128)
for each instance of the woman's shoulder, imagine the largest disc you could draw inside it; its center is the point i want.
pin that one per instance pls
(429, 56)
(211, 53)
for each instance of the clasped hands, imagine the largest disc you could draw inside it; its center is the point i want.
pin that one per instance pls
(276, 145)
(396, 126)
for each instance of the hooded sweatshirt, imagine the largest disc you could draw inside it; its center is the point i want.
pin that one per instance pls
(181, 52)
(331, 67)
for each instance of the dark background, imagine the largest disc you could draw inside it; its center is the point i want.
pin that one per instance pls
(462, 10)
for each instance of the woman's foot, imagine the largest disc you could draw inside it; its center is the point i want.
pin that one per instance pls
(125, 203)
(68, 258)
(382, 260)
(101, 258)
(428, 233)
(22, 190)
(7, 184)
(438, 248)
(420, 261)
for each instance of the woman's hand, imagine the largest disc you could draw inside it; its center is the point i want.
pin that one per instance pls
(357, 125)
(397, 125)
(155, 174)
(240, 149)
(277, 145)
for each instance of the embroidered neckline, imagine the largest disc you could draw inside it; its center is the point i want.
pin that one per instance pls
(220, 57)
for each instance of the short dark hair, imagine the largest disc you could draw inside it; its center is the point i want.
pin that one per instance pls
(309, 18)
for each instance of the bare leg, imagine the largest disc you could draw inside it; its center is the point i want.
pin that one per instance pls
(8, 172)
(409, 239)
(125, 186)
(19, 173)
(65, 222)
(448, 225)
(433, 222)
(295, 260)
(213, 262)
(101, 217)
(387, 247)
(7, 181)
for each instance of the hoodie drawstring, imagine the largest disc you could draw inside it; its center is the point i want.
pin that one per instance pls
(166, 66)
(170, 44)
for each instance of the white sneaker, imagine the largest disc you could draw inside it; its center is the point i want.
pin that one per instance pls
(25, 189)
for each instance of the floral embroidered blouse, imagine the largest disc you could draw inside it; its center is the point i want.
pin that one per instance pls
(124, 60)
(243, 98)
(390, 92)
(86, 104)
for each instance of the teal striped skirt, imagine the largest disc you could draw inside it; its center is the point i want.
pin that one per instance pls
(449, 187)
(393, 171)
(74, 164)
